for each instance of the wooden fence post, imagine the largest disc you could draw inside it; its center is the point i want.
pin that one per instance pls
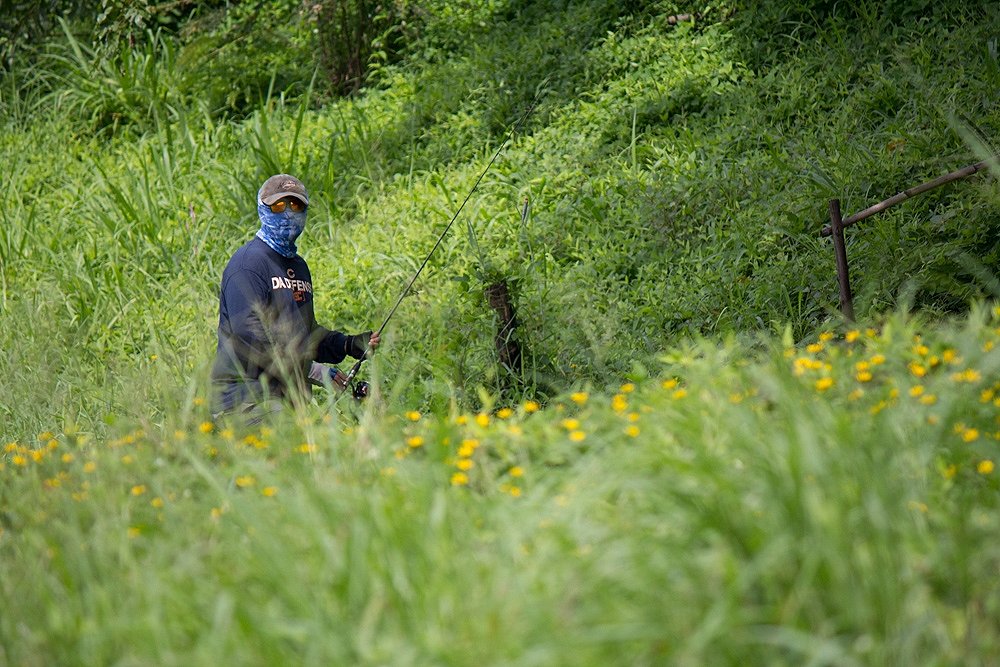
(840, 251)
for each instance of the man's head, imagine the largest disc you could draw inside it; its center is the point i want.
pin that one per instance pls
(280, 186)
(281, 205)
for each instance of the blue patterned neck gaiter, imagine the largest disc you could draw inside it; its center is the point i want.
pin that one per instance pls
(279, 230)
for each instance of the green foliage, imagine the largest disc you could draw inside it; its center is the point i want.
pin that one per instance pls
(764, 492)
(677, 175)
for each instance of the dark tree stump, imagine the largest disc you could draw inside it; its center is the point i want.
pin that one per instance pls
(508, 350)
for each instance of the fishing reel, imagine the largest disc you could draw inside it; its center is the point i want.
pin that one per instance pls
(341, 382)
(360, 390)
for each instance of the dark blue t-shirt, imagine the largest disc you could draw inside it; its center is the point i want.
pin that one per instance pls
(267, 326)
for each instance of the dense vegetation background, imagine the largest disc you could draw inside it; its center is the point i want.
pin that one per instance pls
(677, 174)
(691, 419)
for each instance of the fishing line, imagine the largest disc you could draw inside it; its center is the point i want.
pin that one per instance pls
(348, 382)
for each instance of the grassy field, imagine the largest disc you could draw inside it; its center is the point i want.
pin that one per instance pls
(699, 462)
(834, 504)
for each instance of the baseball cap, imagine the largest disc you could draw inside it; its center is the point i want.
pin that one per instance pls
(282, 185)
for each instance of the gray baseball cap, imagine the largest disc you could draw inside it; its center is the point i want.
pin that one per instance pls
(282, 185)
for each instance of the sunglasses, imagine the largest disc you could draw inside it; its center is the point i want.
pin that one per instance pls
(294, 204)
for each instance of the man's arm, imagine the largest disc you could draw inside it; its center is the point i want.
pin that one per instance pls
(334, 346)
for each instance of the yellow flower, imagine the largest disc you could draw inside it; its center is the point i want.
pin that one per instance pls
(459, 479)
(515, 491)
(579, 397)
(970, 435)
(950, 356)
(985, 467)
(619, 403)
(577, 436)
(921, 350)
(826, 336)
(89, 466)
(570, 424)
(852, 335)
(823, 384)
(156, 502)
(856, 394)
(627, 388)
(814, 348)
(269, 491)
(632, 416)
(198, 401)
(878, 407)
(517, 471)
(67, 458)
(679, 394)
(138, 490)
(917, 369)
(986, 395)
(306, 448)
(413, 416)
(670, 384)
(483, 419)
(864, 376)
(949, 471)
(504, 413)
(632, 430)
(916, 390)
(462, 420)
(134, 531)
(415, 441)
(928, 399)
(878, 359)
(206, 427)
(465, 464)
(244, 481)
(531, 406)
(19, 460)
(969, 375)
(465, 451)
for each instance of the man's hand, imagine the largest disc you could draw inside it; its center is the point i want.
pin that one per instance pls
(363, 342)
(338, 379)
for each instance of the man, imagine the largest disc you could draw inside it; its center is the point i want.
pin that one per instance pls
(270, 345)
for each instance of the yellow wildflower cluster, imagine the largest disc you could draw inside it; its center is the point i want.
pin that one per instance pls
(878, 368)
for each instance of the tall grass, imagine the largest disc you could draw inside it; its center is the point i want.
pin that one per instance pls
(742, 498)
(730, 508)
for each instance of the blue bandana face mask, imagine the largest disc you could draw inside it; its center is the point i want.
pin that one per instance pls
(279, 230)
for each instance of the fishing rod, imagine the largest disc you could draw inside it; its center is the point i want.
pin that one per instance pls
(361, 390)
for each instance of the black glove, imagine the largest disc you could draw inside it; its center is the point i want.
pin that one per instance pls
(357, 345)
